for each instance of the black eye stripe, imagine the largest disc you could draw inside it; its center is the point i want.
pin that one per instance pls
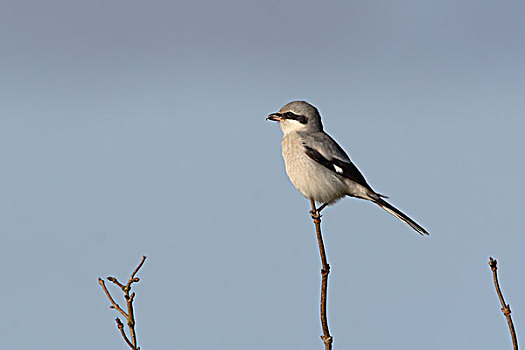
(300, 118)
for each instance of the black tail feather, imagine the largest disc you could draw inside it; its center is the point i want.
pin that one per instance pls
(399, 214)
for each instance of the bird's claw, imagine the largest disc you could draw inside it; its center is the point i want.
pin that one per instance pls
(315, 214)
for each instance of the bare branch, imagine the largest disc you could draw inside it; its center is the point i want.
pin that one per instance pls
(114, 280)
(505, 308)
(114, 305)
(120, 326)
(325, 271)
(129, 316)
(137, 270)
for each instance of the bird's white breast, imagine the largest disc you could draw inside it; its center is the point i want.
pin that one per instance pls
(310, 178)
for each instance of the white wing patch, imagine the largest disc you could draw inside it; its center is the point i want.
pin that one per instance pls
(337, 169)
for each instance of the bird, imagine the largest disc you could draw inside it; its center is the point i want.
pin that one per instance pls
(318, 167)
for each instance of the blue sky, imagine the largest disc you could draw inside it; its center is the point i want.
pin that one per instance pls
(131, 128)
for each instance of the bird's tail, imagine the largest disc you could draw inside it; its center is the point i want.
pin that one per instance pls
(398, 214)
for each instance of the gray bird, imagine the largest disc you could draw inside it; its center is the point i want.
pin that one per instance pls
(318, 167)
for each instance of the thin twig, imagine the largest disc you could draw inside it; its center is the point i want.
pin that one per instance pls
(114, 280)
(120, 326)
(130, 315)
(505, 308)
(131, 318)
(136, 270)
(325, 271)
(114, 305)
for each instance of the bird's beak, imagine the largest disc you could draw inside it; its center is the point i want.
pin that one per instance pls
(276, 117)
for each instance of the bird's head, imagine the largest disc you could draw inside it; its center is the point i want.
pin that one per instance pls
(297, 116)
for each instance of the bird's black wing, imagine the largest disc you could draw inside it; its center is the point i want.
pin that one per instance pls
(345, 169)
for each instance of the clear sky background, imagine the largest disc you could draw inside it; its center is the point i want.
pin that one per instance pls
(133, 127)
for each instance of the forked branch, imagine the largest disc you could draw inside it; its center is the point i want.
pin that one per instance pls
(129, 297)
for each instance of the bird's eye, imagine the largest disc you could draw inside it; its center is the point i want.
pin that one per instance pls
(291, 115)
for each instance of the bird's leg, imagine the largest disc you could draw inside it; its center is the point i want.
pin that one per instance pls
(321, 207)
(316, 212)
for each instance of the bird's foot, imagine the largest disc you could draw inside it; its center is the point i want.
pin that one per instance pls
(315, 214)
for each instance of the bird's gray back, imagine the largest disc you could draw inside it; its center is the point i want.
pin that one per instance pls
(324, 144)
